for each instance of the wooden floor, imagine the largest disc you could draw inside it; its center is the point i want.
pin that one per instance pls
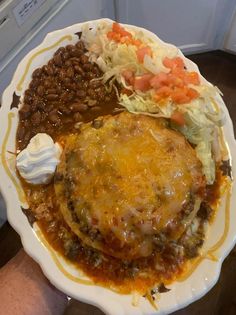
(220, 69)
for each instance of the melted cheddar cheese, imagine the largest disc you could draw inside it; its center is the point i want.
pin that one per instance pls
(125, 179)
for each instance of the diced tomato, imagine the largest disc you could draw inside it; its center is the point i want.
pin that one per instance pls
(117, 37)
(180, 96)
(137, 42)
(175, 81)
(178, 62)
(141, 52)
(110, 35)
(180, 73)
(114, 36)
(129, 76)
(178, 118)
(164, 91)
(125, 40)
(167, 62)
(192, 78)
(125, 33)
(173, 63)
(118, 29)
(192, 94)
(120, 35)
(142, 83)
(159, 80)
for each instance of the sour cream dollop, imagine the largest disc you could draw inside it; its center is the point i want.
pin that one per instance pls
(38, 161)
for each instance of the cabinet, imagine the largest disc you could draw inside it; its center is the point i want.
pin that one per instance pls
(230, 37)
(193, 26)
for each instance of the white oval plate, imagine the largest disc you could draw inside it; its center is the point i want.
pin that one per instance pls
(60, 273)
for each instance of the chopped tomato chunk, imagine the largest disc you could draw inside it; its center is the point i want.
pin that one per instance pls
(124, 40)
(129, 76)
(180, 96)
(141, 52)
(142, 83)
(159, 80)
(178, 118)
(117, 28)
(137, 42)
(120, 35)
(172, 63)
(113, 36)
(192, 93)
(180, 73)
(164, 91)
(110, 34)
(184, 95)
(175, 81)
(192, 78)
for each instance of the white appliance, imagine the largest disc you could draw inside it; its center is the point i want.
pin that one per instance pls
(57, 14)
(18, 18)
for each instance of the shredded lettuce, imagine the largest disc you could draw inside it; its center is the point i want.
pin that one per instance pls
(202, 122)
(204, 154)
(140, 103)
(114, 57)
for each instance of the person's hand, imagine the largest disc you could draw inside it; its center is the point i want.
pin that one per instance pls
(24, 290)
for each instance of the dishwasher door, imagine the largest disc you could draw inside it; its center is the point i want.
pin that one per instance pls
(61, 14)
